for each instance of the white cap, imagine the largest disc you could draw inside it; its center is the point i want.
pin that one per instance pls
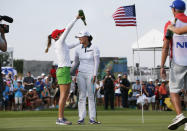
(19, 81)
(43, 74)
(150, 79)
(82, 33)
(46, 77)
(34, 88)
(163, 80)
(119, 75)
(30, 90)
(39, 77)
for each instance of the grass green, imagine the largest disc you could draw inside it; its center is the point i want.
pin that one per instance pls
(117, 120)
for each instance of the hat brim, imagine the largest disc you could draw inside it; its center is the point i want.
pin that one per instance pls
(80, 36)
(171, 6)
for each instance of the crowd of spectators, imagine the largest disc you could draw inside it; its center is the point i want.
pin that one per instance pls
(151, 94)
(31, 93)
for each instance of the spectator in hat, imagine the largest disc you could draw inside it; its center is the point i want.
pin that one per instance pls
(43, 77)
(47, 83)
(150, 93)
(46, 96)
(37, 100)
(136, 89)
(39, 85)
(118, 92)
(29, 99)
(18, 89)
(178, 60)
(11, 94)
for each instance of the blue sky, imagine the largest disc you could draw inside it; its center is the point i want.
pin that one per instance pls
(34, 20)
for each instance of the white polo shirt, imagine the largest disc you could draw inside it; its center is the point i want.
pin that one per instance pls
(89, 59)
(62, 49)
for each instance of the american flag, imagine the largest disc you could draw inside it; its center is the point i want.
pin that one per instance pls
(125, 16)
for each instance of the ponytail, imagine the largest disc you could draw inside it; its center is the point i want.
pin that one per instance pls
(48, 44)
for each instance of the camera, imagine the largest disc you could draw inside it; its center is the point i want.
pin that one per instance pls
(4, 26)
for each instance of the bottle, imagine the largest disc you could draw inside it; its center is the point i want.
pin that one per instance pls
(81, 13)
(169, 34)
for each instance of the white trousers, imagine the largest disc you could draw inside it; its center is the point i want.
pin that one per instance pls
(86, 87)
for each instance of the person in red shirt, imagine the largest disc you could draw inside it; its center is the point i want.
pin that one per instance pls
(53, 73)
(157, 100)
(163, 94)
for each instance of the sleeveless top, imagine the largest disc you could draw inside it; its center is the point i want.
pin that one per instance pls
(179, 47)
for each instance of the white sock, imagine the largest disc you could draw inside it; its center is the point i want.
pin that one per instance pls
(60, 118)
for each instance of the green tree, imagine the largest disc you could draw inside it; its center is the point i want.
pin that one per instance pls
(18, 65)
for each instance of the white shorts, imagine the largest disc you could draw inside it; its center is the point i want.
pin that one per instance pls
(18, 100)
(142, 100)
(151, 99)
(177, 77)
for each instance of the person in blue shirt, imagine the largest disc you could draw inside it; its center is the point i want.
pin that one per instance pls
(15, 81)
(6, 97)
(150, 93)
(18, 89)
(39, 85)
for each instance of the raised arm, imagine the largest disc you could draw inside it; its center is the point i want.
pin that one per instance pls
(67, 30)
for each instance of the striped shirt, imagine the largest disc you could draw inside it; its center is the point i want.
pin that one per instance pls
(62, 49)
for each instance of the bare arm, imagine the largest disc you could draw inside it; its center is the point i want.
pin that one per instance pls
(165, 50)
(180, 30)
(3, 43)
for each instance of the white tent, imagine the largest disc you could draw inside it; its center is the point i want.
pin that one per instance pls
(151, 41)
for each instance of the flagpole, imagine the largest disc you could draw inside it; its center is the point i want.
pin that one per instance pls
(121, 17)
(140, 70)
